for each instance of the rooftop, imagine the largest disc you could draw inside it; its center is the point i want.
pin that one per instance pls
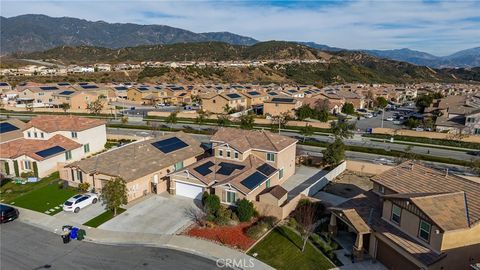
(52, 123)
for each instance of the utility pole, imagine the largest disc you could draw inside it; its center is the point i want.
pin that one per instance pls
(383, 114)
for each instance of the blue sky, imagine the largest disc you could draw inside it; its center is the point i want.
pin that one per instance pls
(437, 27)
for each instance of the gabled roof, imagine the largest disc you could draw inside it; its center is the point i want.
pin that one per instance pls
(138, 159)
(411, 177)
(244, 140)
(31, 148)
(11, 129)
(52, 123)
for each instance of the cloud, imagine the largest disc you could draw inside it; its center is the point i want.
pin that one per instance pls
(438, 27)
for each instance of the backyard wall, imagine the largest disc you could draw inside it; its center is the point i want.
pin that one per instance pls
(325, 179)
(426, 134)
(366, 167)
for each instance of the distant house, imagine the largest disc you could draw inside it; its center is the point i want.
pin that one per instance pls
(11, 129)
(414, 218)
(457, 114)
(144, 165)
(255, 97)
(216, 103)
(77, 100)
(279, 105)
(244, 164)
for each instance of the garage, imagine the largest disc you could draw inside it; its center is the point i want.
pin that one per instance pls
(392, 259)
(188, 190)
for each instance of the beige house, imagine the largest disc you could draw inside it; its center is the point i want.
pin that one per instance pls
(414, 218)
(77, 100)
(280, 105)
(143, 165)
(244, 165)
(216, 103)
(255, 98)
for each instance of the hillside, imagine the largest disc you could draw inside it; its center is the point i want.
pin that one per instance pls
(39, 32)
(342, 66)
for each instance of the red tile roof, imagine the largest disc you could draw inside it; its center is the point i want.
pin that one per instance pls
(16, 148)
(52, 123)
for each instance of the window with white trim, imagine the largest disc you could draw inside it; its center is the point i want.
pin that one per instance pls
(220, 152)
(68, 155)
(74, 134)
(396, 213)
(228, 154)
(236, 155)
(231, 196)
(29, 134)
(424, 230)
(86, 148)
(270, 156)
(280, 173)
(27, 165)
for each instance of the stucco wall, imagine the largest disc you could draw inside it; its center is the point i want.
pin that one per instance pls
(367, 167)
(325, 179)
(425, 134)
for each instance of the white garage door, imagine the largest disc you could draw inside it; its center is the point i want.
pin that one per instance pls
(187, 190)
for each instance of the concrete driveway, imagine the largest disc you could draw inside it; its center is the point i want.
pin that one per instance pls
(162, 214)
(83, 216)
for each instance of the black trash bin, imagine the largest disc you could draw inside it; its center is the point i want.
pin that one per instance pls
(66, 238)
(81, 235)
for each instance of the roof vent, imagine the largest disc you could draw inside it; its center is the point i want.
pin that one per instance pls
(446, 172)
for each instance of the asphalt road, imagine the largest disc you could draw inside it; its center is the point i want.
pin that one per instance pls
(25, 247)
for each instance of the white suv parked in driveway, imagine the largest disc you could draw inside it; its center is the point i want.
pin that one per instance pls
(79, 201)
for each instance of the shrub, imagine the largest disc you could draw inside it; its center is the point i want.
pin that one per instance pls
(269, 220)
(257, 230)
(83, 187)
(245, 210)
(211, 204)
(292, 223)
(27, 174)
(222, 216)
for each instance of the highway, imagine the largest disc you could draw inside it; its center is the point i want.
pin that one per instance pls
(27, 247)
(314, 150)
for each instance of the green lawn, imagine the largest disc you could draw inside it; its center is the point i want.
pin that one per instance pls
(10, 191)
(281, 249)
(49, 198)
(102, 218)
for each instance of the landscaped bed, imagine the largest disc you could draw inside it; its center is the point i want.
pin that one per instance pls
(282, 249)
(234, 236)
(102, 218)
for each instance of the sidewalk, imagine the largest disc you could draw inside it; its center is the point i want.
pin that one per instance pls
(195, 246)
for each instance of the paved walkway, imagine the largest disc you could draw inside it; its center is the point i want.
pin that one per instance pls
(188, 244)
(303, 178)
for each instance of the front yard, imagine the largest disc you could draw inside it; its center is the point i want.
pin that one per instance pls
(45, 196)
(282, 249)
(234, 236)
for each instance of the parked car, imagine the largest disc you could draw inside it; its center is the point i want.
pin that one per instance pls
(79, 201)
(389, 118)
(474, 153)
(7, 213)
(159, 105)
(368, 115)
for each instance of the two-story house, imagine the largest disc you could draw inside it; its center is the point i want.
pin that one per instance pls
(49, 141)
(217, 103)
(143, 165)
(244, 163)
(414, 218)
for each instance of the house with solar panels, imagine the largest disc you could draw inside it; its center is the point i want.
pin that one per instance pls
(215, 103)
(77, 100)
(39, 96)
(278, 105)
(144, 165)
(48, 142)
(255, 97)
(244, 164)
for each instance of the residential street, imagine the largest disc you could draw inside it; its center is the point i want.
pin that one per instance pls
(26, 247)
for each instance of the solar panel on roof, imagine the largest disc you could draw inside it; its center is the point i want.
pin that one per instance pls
(3, 84)
(182, 94)
(158, 87)
(89, 86)
(272, 94)
(63, 83)
(292, 91)
(170, 145)
(83, 83)
(50, 151)
(204, 169)
(282, 100)
(7, 127)
(254, 180)
(266, 169)
(228, 168)
(46, 88)
(253, 93)
(120, 88)
(66, 93)
(143, 88)
(233, 95)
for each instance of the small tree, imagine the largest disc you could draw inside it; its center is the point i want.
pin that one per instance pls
(201, 118)
(211, 204)
(322, 115)
(83, 187)
(348, 109)
(304, 112)
(65, 107)
(96, 106)
(306, 131)
(334, 153)
(29, 106)
(245, 210)
(475, 166)
(172, 119)
(124, 120)
(247, 121)
(223, 120)
(412, 122)
(381, 102)
(341, 129)
(114, 194)
(227, 109)
(279, 121)
(306, 216)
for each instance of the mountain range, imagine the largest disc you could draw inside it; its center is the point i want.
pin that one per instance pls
(31, 32)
